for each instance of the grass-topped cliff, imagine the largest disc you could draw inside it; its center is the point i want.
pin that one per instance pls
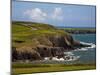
(37, 40)
(32, 34)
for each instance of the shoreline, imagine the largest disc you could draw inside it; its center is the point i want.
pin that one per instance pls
(80, 30)
(66, 58)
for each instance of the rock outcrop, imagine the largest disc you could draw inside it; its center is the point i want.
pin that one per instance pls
(46, 41)
(50, 51)
(59, 45)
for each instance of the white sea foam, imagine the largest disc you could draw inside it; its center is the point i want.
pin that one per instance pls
(82, 49)
(69, 53)
(66, 58)
(46, 58)
(86, 48)
(60, 59)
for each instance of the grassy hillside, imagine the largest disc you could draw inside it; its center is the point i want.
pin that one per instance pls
(26, 38)
(28, 34)
(27, 68)
(80, 30)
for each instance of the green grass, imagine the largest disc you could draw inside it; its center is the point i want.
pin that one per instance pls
(79, 29)
(26, 68)
(22, 31)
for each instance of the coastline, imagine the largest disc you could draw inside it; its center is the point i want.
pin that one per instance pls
(84, 30)
(28, 68)
(33, 60)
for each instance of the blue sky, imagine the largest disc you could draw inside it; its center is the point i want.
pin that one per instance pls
(55, 14)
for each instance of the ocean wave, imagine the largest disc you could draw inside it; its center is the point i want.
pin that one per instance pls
(70, 56)
(66, 58)
(92, 45)
(69, 53)
(54, 59)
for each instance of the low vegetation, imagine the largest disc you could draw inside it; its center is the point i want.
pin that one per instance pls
(25, 68)
(27, 33)
(34, 41)
(80, 30)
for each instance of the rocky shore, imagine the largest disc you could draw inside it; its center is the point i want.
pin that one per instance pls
(82, 31)
(35, 41)
(60, 44)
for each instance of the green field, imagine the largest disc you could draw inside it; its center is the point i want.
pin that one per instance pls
(26, 36)
(24, 30)
(80, 30)
(29, 33)
(85, 29)
(25, 68)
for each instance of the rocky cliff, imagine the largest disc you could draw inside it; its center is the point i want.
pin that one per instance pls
(35, 41)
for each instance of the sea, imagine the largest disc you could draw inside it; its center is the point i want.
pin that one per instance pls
(85, 55)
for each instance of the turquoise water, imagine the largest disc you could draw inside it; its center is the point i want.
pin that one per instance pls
(88, 55)
(90, 38)
(79, 56)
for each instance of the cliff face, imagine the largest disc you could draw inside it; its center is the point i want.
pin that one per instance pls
(55, 47)
(34, 41)
(58, 44)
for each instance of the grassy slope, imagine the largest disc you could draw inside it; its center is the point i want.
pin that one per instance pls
(30, 68)
(28, 33)
(80, 29)
(22, 32)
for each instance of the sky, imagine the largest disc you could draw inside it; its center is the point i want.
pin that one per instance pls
(65, 15)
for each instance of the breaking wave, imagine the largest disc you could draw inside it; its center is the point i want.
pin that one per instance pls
(70, 56)
(92, 45)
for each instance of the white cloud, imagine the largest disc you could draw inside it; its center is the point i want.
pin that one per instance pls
(36, 14)
(57, 14)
